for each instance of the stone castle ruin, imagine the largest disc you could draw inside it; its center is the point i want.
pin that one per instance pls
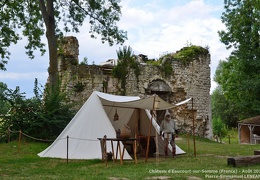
(185, 81)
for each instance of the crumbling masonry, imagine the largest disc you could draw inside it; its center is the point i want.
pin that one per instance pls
(190, 81)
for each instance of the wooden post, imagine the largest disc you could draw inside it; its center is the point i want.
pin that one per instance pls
(8, 135)
(67, 149)
(239, 135)
(251, 134)
(135, 146)
(148, 142)
(193, 124)
(19, 141)
(105, 148)
(148, 139)
(137, 127)
(120, 152)
(113, 151)
(188, 140)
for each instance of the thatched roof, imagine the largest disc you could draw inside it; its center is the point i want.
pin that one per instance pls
(251, 120)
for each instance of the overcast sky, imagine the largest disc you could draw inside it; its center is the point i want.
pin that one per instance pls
(154, 27)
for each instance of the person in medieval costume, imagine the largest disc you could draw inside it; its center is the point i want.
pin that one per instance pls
(168, 130)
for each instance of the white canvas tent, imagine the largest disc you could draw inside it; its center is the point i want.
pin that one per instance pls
(95, 119)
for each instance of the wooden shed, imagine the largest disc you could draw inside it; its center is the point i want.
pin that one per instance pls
(249, 130)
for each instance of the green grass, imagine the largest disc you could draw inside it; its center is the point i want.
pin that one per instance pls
(211, 159)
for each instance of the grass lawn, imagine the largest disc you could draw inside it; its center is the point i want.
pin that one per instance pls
(209, 163)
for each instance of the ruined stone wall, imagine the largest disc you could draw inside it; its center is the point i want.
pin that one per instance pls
(190, 81)
(194, 81)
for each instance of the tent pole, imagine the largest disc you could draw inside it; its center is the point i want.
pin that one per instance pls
(137, 123)
(148, 139)
(149, 135)
(136, 132)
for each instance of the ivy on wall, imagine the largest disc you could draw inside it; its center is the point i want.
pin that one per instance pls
(165, 68)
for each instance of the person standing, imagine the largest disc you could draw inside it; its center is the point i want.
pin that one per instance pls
(167, 130)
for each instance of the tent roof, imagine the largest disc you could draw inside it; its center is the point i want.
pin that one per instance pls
(137, 102)
(251, 120)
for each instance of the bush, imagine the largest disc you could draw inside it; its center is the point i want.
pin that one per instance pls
(37, 117)
(219, 128)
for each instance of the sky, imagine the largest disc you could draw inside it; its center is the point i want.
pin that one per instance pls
(154, 27)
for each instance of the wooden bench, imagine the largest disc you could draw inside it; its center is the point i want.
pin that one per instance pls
(256, 152)
(243, 160)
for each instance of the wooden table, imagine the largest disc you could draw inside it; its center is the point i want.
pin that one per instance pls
(119, 149)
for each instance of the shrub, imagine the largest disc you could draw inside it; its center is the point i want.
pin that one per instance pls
(219, 128)
(37, 117)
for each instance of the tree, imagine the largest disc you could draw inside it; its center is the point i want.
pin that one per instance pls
(4, 105)
(223, 108)
(241, 19)
(30, 16)
(239, 75)
(126, 63)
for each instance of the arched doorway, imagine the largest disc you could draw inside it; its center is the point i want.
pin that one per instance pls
(163, 90)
